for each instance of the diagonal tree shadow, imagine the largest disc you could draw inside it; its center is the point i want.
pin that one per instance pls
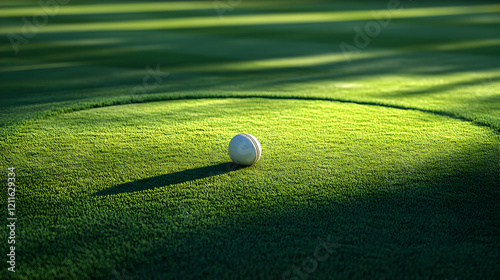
(171, 179)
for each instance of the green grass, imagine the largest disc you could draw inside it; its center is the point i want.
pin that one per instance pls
(394, 157)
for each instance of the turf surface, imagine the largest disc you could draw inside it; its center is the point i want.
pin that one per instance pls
(392, 158)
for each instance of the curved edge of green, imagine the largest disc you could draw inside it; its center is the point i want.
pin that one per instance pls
(17, 127)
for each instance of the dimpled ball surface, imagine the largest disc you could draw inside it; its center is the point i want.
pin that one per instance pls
(244, 149)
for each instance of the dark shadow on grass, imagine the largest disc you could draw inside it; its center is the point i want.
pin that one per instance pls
(171, 179)
(439, 219)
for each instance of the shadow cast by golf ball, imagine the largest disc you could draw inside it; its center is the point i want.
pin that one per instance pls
(171, 179)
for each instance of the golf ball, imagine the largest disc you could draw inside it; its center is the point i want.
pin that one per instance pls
(244, 149)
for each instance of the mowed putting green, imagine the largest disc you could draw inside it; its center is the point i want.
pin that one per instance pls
(379, 161)
(150, 187)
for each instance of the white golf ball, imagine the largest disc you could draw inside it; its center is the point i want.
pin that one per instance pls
(244, 149)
